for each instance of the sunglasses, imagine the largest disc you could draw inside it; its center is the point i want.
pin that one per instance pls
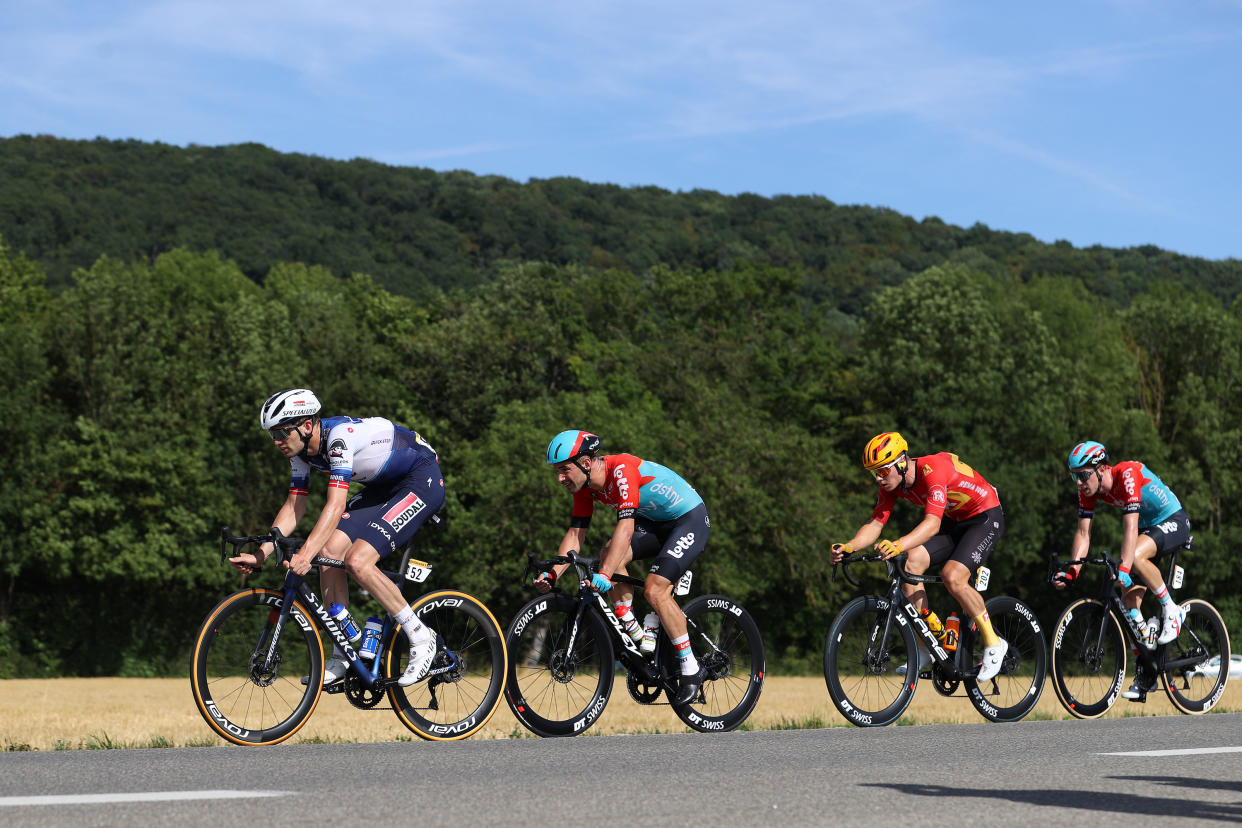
(1082, 476)
(279, 434)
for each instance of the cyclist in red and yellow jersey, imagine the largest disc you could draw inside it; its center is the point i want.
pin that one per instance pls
(962, 521)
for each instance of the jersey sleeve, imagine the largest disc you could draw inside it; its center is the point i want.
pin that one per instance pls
(936, 477)
(883, 507)
(583, 508)
(627, 482)
(299, 476)
(1131, 482)
(340, 461)
(1086, 505)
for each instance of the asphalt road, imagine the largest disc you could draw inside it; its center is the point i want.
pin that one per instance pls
(1029, 773)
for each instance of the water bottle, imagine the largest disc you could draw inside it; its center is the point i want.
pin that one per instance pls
(933, 623)
(632, 629)
(952, 629)
(371, 638)
(651, 629)
(346, 621)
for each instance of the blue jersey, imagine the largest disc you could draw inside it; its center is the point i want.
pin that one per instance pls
(371, 451)
(1135, 489)
(637, 488)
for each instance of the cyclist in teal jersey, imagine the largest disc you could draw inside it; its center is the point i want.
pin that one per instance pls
(1153, 522)
(659, 515)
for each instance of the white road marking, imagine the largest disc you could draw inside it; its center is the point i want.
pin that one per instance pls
(152, 796)
(1176, 752)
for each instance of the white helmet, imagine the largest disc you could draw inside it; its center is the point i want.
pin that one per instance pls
(287, 406)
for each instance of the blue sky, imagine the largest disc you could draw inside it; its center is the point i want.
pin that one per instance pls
(1115, 123)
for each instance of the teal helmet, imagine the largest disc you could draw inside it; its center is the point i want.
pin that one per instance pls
(1087, 455)
(570, 445)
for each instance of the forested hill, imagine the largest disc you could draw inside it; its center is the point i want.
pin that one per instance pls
(64, 203)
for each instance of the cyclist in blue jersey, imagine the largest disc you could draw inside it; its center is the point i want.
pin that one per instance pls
(404, 488)
(659, 515)
(1153, 522)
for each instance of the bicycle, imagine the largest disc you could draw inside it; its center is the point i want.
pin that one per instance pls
(256, 679)
(1089, 648)
(564, 650)
(873, 635)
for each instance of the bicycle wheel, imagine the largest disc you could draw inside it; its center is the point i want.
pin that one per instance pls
(1088, 659)
(1015, 690)
(1189, 687)
(727, 643)
(240, 700)
(554, 690)
(860, 664)
(457, 702)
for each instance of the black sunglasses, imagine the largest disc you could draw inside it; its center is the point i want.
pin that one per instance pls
(281, 432)
(1082, 476)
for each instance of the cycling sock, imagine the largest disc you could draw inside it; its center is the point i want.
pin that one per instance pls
(1163, 595)
(625, 615)
(415, 630)
(986, 633)
(681, 646)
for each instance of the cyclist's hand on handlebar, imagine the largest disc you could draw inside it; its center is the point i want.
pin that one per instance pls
(1123, 577)
(247, 562)
(544, 581)
(1063, 578)
(840, 550)
(601, 582)
(301, 562)
(888, 548)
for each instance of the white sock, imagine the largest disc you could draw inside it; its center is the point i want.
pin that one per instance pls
(415, 630)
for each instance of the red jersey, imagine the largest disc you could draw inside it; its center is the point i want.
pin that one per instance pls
(944, 486)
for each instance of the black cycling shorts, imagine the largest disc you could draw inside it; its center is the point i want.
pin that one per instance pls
(970, 541)
(1170, 533)
(387, 518)
(673, 543)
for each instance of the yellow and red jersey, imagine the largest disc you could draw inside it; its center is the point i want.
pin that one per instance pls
(944, 486)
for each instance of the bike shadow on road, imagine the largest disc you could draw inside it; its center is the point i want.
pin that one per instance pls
(1118, 802)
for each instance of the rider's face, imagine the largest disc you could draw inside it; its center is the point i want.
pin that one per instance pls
(569, 475)
(1089, 483)
(887, 478)
(292, 440)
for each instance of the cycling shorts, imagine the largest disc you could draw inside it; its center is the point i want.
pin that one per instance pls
(969, 542)
(1170, 533)
(673, 543)
(388, 517)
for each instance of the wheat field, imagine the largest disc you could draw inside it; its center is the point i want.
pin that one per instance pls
(101, 713)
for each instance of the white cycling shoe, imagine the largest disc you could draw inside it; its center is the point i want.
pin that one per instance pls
(334, 670)
(992, 658)
(1172, 625)
(421, 655)
(924, 662)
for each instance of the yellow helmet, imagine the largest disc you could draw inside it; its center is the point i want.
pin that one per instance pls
(884, 450)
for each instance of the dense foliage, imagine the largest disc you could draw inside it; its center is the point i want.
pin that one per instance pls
(751, 344)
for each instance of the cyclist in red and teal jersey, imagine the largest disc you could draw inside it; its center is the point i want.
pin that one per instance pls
(659, 515)
(403, 489)
(1153, 523)
(962, 521)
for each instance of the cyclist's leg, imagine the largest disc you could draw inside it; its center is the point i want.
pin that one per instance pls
(1153, 543)
(332, 581)
(976, 538)
(918, 560)
(683, 541)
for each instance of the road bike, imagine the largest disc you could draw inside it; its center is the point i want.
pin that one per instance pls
(256, 678)
(1090, 640)
(564, 650)
(875, 634)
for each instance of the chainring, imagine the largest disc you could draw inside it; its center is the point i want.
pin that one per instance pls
(640, 691)
(359, 694)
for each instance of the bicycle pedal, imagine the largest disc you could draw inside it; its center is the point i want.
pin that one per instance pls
(337, 686)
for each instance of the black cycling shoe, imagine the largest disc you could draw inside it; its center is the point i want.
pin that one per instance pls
(691, 687)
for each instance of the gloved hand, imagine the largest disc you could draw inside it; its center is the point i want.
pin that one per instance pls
(888, 548)
(840, 550)
(1062, 579)
(544, 581)
(1123, 577)
(600, 582)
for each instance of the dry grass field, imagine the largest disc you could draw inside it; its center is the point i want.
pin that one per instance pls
(72, 714)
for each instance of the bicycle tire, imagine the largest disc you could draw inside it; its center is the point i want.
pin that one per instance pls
(727, 643)
(1088, 659)
(551, 691)
(1015, 690)
(458, 703)
(1203, 635)
(240, 704)
(862, 680)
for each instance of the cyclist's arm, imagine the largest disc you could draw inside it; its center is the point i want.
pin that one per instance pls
(1082, 540)
(286, 521)
(614, 555)
(868, 534)
(326, 524)
(1129, 539)
(927, 529)
(572, 542)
